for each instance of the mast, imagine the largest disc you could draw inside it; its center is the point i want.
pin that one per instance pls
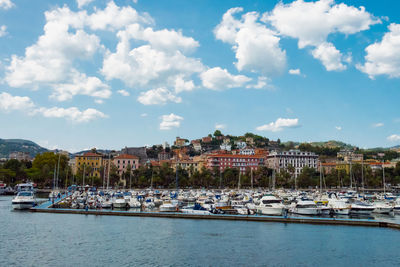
(58, 168)
(240, 173)
(320, 177)
(251, 178)
(151, 183)
(108, 170)
(351, 178)
(220, 179)
(66, 181)
(84, 173)
(362, 174)
(54, 177)
(384, 185)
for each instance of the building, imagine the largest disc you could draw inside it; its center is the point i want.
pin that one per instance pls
(139, 152)
(20, 156)
(225, 146)
(240, 144)
(92, 160)
(196, 145)
(180, 142)
(241, 162)
(327, 167)
(296, 158)
(207, 139)
(247, 151)
(163, 155)
(250, 140)
(347, 156)
(123, 161)
(188, 164)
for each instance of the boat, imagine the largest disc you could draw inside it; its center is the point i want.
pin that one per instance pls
(24, 200)
(169, 206)
(339, 207)
(270, 205)
(361, 208)
(195, 209)
(119, 201)
(382, 207)
(305, 207)
(134, 203)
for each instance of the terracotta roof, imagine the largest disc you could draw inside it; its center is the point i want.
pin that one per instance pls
(126, 156)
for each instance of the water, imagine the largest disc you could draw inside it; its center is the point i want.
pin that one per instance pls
(40, 239)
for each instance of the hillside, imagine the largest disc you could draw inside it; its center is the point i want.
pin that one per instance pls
(19, 145)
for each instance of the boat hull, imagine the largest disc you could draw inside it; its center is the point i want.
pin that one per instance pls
(25, 205)
(270, 211)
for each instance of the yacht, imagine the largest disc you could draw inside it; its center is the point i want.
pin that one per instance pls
(270, 205)
(119, 201)
(339, 206)
(134, 203)
(195, 209)
(24, 200)
(169, 206)
(382, 207)
(361, 208)
(305, 207)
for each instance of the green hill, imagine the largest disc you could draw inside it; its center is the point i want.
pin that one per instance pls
(19, 145)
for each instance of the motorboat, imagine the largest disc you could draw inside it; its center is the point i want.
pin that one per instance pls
(305, 207)
(339, 206)
(270, 205)
(24, 200)
(134, 203)
(195, 209)
(382, 207)
(169, 206)
(119, 201)
(361, 208)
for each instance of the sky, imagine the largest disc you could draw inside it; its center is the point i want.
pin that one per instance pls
(109, 74)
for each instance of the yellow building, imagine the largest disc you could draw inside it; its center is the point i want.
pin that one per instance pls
(92, 160)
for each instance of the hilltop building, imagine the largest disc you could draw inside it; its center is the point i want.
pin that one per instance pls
(296, 158)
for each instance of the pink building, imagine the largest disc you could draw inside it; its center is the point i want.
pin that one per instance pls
(122, 161)
(240, 162)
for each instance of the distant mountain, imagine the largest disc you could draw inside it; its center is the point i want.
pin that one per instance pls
(19, 145)
(333, 144)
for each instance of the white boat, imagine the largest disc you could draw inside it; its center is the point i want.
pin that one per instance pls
(195, 209)
(134, 203)
(169, 206)
(339, 207)
(24, 200)
(305, 207)
(382, 207)
(270, 205)
(361, 208)
(119, 201)
(396, 207)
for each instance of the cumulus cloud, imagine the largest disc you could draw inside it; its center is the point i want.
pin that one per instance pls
(312, 22)
(383, 58)
(25, 104)
(394, 138)
(10, 103)
(295, 71)
(6, 4)
(123, 92)
(220, 126)
(181, 85)
(159, 96)
(378, 124)
(279, 125)
(170, 121)
(3, 30)
(256, 47)
(82, 3)
(220, 79)
(73, 114)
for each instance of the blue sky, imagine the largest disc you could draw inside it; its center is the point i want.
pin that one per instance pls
(109, 74)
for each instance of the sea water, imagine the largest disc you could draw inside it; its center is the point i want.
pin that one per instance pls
(41, 239)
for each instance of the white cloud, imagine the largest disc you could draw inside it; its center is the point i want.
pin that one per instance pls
(73, 114)
(143, 115)
(220, 79)
(23, 103)
(220, 126)
(82, 3)
(262, 82)
(339, 128)
(159, 96)
(383, 58)
(9, 103)
(256, 47)
(99, 101)
(279, 125)
(170, 121)
(181, 85)
(330, 57)
(394, 138)
(123, 92)
(3, 30)
(295, 71)
(378, 124)
(6, 4)
(312, 22)
(83, 85)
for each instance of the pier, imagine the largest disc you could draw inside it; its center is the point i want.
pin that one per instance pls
(46, 207)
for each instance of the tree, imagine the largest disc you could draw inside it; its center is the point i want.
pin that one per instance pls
(217, 133)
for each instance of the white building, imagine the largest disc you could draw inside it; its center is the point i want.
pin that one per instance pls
(240, 144)
(226, 146)
(296, 158)
(247, 151)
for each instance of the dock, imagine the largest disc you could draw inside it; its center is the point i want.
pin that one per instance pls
(46, 207)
